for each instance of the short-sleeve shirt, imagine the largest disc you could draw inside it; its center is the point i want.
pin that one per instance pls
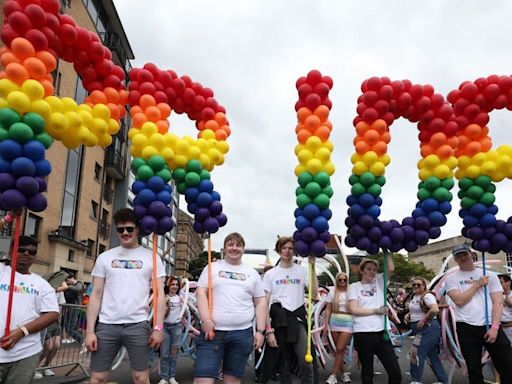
(233, 289)
(507, 310)
(368, 296)
(128, 274)
(287, 285)
(473, 312)
(32, 296)
(342, 300)
(175, 306)
(415, 308)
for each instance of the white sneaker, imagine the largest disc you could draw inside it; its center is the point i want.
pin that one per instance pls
(346, 378)
(38, 375)
(83, 349)
(415, 382)
(48, 372)
(172, 380)
(331, 380)
(163, 381)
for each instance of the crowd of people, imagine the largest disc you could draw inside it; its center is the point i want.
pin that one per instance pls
(249, 313)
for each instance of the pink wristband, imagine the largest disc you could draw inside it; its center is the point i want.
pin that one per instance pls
(8, 218)
(495, 326)
(159, 327)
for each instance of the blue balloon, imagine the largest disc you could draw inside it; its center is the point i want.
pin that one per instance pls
(34, 150)
(351, 200)
(378, 201)
(478, 210)
(373, 211)
(10, 150)
(204, 199)
(215, 196)
(43, 168)
(311, 211)
(23, 166)
(327, 213)
(418, 212)
(5, 166)
(463, 212)
(437, 219)
(320, 224)
(356, 211)
(430, 205)
(164, 196)
(301, 223)
(138, 185)
(146, 197)
(470, 221)
(205, 186)
(192, 207)
(156, 183)
(445, 207)
(191, 194)
(366, 200)
(298, 212)
(488, 220)
(493, 209)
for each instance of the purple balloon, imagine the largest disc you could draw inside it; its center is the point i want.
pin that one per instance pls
(350, 222)
(411, 246)
(498, 240)
(365, 221)
(421, 237)
(350, 241)
(357, 231)
(422, 222)
(198, 227)
(434, 232)
(408, 221)
(37, 202)
(202, 214)
(397, 235)
(13, 199)
(148, 224)
(43, 185)
(211, 225)
(140, 211)
(385, 227)
(309, 234)
(7, 181)
(476, 233)
(325, 236)
(222, 219)
(482, 245)
(157, 209)
(373, 249)
(27, 185)
(301, 248)
(507, 230)
(215, 208)
(385, 242)
(489, 232)
(363, 243)
(297, 236)
(318, 248)
(374, 233)
(165, 224)
(408, 232)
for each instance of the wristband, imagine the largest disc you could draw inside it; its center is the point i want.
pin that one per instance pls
(261, 331)
(8, 218)
(24, 330)
(495, 326)
(268, 327)
(158, 327)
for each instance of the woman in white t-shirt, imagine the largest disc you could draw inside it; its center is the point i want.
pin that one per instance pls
(172, 334)
(366, 304)
(506, 318)
(422, 316)
(339, 321)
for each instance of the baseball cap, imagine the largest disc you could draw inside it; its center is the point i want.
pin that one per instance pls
(462, 248)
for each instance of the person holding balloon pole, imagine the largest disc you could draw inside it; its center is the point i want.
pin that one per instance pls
(227, 335)
(478, 298)
(287, 333)
(367, 305)
(122, 279)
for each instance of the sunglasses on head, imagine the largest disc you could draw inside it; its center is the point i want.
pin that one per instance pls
(31, 251)
(128, 229)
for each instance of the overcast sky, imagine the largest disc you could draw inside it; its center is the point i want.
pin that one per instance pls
(252, 52)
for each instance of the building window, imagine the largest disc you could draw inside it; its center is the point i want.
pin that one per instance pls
(90, 248)
(508, 260)
(57, 77)
(70, 201)
(80, 91)
(71, 255)
(94, 210)
(32, 225)
(97, 171)
(101, 248)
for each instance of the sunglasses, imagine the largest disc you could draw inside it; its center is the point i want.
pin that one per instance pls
(417, 285)
(342, 280)
(31, 251)
(128, 229)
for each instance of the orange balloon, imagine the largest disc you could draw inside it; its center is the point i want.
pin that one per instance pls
(484, 132)
(200, 125)
(380, 148)
(303, 135)
(123, 96)
(22, 48)
(220, 117)
(212, 124)
(302, 113)
(437, 139)
(323, 132)
(98, 97)
(486, 144)
(221, 135)
(444, 151)
(328, 124)
(3, 75)
(112, 95)
(473, 148)
(35, 67)
(312, 122)
(135, 109)
(371, 136)
(163, 126)
(138, 119)
(298, 127)
(165, 110)
(362, 127)
(322, 112)
(362, 147)
(16, 72)
(386, 137)
(8, 57)
(48, 60)
(49, 90)
(114, 111)
(153, 113)
(380, 126)
(463, 141)
(227, 128)
(147, 101)
(426, 150)
(453, 142)
(473, 131)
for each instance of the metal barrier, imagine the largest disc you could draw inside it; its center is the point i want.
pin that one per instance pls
(63, 342)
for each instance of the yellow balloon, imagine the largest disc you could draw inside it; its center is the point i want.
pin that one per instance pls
(68, 104)
(182, 147)
(359, 168)
(323, 154)
(205, 161)
(479, 159)
(431, 161)
(71, 141)
(3, 102)
(442, 171)
(214, 155)
(167, 153)
(378, 169)
(222, 146)
(498, 176)
(33, 89)
(464, 162)
(189, 139)
(157, 141)
(356, 157)
(202, 144)
(82, 133)
(208, 134)
(488, 168)
(329, 145)
(299, 147)
(370, 158)
(42, 108)
(86, 117)
(313, 143)
(74, 119)
(473, 171)
(329, 168)
(85, 108)
(180, 161)
(18, 101)
(385, 159)
(493, 155)
(105, 140)
(502, 150)
(451, 162)
(55, 103)
(101, 111)
(424, 174)
(170, 139)
(99, 127)
(314, 166)
(149, 151)
(194, 152)
(504, 163)
(140, 140)
(7, 86)
(92, 141)
(149, 128)
(113, 126)
(304, 156)
(300, 169)
(221, 160)
(58, 122)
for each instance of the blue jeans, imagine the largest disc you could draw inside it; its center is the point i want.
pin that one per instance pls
(429, 347)
(168, 360)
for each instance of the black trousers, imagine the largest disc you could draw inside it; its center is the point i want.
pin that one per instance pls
(471, 339)
(368, 344)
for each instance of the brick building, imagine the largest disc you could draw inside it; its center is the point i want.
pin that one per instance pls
(189, 243)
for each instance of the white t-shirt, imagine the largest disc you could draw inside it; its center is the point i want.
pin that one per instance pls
(415, 308)
(342, 301)
(368, 296)
(128, 274)
(473, 312)
(175, 305)
(286, 285)
(32, 296)
(507, 310)
(234, 287)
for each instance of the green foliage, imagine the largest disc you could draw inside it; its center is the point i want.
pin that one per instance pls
(195, 267)
(405, 269)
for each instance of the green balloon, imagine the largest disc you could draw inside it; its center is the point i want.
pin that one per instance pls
(423, 194)
(328, 191)
(353, 179)
(303, 200)
(467, 202)
(181, 187)
(9, 116)
(448, 183)
(367, 179)
(475, 192)
(192, 179)
(465, 183)
(358, 189)
(4, 134)
(137, 162)
(487, 199)
(144, 172)
(491, 188)
(322, 178)
(304, 178)
(322, 201)
(44, 139)
(312, 189)
(179, 174)
(194, 166)
(374, 190)
(165, 174)
(462, 194)
(21, 132)
(204, 174)
(483, 181)
(432, 183)
(381, 180)
(34, 121)
(299, 191)
(441, 194)
(156, 163)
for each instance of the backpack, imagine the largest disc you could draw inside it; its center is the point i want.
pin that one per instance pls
(424, 306)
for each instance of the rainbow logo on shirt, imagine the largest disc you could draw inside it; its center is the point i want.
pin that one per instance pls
(288, 281)
(20, 289)
(232, 275)
(470, 281)
(127, 264)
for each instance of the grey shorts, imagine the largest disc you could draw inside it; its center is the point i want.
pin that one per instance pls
(19, 372)
(133, 336)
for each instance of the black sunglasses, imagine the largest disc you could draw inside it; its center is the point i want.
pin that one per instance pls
(31, 251)
(417, 285)
(342, 280)
(128, 229)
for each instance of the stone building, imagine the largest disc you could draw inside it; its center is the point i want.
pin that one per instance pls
(189, 244)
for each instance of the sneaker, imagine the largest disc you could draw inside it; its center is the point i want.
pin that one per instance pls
(83, 349)
(38, 375)
(346, 378)
(172, 380)
(415, 382)
(48, 372)
(220, 376)
(163, 381)
(331, 380)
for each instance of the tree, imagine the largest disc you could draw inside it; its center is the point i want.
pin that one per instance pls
(195, 267)
(405, 269)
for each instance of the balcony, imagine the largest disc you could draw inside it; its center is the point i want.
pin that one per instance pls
(104, 229)
(108, 194)
(114, 163)
(112, 41)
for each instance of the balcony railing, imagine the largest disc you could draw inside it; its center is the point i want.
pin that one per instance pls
(114, 163)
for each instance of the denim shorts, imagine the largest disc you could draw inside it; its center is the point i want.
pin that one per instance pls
(231, 348)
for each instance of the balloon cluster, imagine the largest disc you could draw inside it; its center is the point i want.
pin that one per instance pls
(315, 166)
(382, 102)
(23, 166)
(152, 203)
(479, 166)
(152, 94)
(202, 201)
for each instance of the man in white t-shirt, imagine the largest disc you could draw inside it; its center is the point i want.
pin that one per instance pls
(34, 308)
(237, 296)
(122, 280)
(466, 288)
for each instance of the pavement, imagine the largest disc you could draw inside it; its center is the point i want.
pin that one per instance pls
(185, 373)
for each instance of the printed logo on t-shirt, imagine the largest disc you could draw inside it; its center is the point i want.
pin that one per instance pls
(127, 264)
(174, 304)
(368, 292)
(469, 281)
(232, 275)
(288, 280)
(20, 289)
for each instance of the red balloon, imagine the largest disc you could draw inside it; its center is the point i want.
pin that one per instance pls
(165, 78)
(158, 86)
(436, 101)
(50, 36)
(112, 81)
(327, 102)
(361, 107)
(370, 115)
(37, 38)
(404, 100)
(505, 83)
(10, 7)
(19, 22)
(304, 90)
(94, 37)
(147, 88)
(445, 111)
(300, 81)
(51, 6)
(95, 52)
(36, 14)
(481, 119)
(491, 91)
(388, 118)
(451, 128)
(386, 92)
(67, 34)
(199, 103)
(500, 102)
(314, 76)
(160, 97)
(212, 103)
(207, 92)
(312, 101)
(179, 106)
(88, 74)
(118, 72)
(107, 54)
(460, 106)
(133, 86)
(481, 83)
(105, 67)
(422, 105)
(453, 96)
(197, 87)
(83, 38)
(321, 89)
(381, 106)
(188, 96)
(172, 73)
(328, 80)
(472, 110)
(207, 114)
(95, 86)
(171, 94)
(153, 69)
(298, 105)
(374, 83)
(469, 91)
(66, 19)
(134, 74)
(416, 91)
(370, 97)
(52, 22)
(8, 34)
(179, 86)
(134, 97)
